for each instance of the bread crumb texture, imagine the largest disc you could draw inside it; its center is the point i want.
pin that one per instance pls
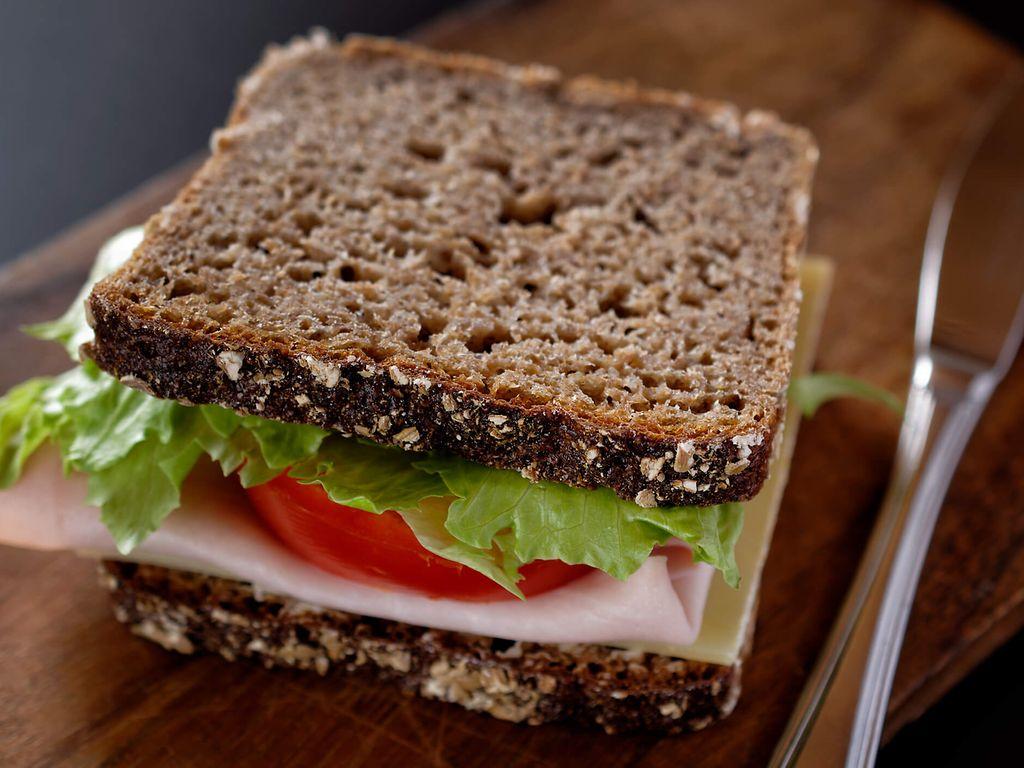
(622, 255)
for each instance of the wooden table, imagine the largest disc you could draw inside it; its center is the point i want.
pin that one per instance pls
(888, 88)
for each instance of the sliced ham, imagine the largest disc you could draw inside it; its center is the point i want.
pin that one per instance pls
(214, 532)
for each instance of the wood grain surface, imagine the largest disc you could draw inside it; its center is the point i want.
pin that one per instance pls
(888, 88)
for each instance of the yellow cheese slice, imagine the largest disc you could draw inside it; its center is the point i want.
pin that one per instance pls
(729, 612)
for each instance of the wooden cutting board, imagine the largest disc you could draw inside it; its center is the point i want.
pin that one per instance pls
(888, 88)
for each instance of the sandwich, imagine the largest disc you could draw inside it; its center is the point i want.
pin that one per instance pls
(468, 375)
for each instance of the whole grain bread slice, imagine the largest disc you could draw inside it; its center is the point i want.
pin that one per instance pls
(585, 281)
(522, 682)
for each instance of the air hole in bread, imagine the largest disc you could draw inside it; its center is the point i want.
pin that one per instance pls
(221, 313)
(446, 262)
(536, 207)
(691, 300)
(640, 217)
(321, 333)
(307, 221)
(422, 339)
(221, 261)
(425, 149)
(733, 402)
(482, 247)
(606, 344)
(431, 325)
(702, 405)
(727, 170)
(405, 189)
(369, 272)
(397, 246)
(568, 334)
(484, 343)
(740, 151)
(594, 390)
(185, 286)
(357, 204)
(678, 383)
(714, 277)
(221, 239)
(304, 271)
(613, 301)
(604, 157)
(153, 273)
(491, 161)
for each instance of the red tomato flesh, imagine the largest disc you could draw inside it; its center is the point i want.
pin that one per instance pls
(381, 549)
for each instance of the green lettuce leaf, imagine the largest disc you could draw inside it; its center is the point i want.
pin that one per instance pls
(259, 449)
(139, 491)
(22, 428)
(498, 563)
(551, 521)
(282, 445)
(108, 419)
(370, 476)
(115, 435)
(812, 391)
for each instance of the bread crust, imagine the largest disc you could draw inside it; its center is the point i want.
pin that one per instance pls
(532, 683)
(423, 411)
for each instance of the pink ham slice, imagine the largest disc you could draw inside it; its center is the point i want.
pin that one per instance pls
(214, 532)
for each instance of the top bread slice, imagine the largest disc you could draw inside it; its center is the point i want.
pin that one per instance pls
(584, 281)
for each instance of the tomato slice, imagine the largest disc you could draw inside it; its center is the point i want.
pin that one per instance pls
(381, 549)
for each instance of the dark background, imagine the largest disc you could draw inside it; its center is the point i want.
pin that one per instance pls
(96, 96)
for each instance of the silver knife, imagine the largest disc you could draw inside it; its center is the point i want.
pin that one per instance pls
(970, 321)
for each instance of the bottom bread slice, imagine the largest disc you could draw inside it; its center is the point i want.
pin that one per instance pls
(523, 682)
